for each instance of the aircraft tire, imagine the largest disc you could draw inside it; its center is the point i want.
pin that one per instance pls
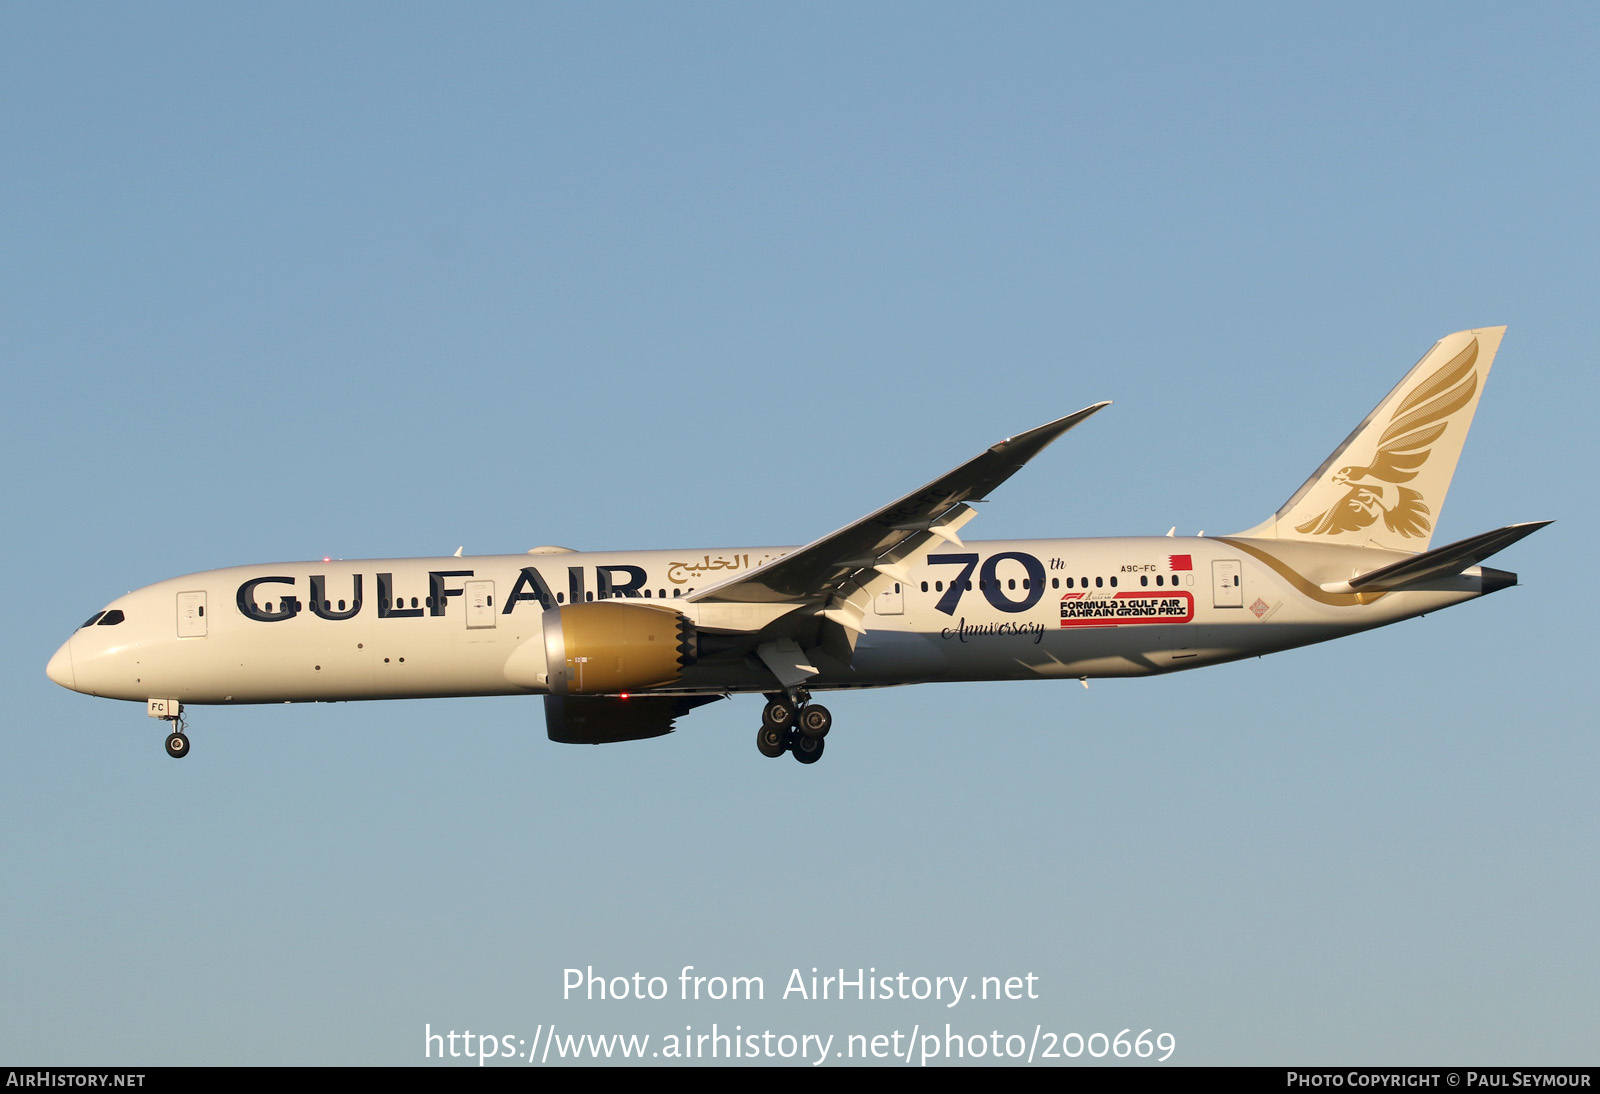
(177, 746)
(777, 714)
(772, 741)
(815, 721)
(808, 750)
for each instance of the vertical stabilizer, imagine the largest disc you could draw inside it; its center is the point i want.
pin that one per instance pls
(1385, 485)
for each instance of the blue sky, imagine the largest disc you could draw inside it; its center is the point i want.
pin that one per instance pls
(289, 281)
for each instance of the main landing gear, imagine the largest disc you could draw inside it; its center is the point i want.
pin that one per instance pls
(793, 726)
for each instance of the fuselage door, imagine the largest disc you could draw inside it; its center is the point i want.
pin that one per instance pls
(479, 596)
(892, 601)
(192, 615)
(1227, 583)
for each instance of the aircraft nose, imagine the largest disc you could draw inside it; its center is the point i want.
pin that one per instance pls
(60, 667)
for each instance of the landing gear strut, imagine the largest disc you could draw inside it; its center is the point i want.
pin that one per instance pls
(792, 724)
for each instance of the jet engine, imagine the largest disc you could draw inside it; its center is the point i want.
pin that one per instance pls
(612, 646)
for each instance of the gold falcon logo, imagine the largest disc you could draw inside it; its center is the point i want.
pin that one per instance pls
(1419, 421)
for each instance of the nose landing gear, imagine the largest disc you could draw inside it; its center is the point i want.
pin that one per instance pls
(170, 710)
(793, 725)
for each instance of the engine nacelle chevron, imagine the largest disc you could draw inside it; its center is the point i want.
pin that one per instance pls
(609, 646)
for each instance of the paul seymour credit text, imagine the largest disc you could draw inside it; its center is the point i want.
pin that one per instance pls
(920, 1044)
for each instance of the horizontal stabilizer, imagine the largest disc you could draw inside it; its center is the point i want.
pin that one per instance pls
(1445, 561)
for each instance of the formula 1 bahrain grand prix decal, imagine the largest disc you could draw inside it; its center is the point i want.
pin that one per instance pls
(1080, 610)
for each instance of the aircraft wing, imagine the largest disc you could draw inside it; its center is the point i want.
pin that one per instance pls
(824, 568)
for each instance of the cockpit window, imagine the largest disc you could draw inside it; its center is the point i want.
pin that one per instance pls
(112, 618)
(92, 620)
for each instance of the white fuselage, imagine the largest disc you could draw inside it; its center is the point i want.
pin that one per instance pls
(455, 626)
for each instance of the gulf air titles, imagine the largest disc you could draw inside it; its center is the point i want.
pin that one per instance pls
(620, 644)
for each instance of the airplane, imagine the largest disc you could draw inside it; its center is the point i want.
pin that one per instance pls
(621, 644)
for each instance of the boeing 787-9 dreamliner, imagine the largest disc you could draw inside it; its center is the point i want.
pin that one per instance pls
(621, 643)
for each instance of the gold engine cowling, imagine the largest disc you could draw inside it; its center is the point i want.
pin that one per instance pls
(611, 646)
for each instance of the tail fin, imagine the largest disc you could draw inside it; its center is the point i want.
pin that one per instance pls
(1385, 485)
